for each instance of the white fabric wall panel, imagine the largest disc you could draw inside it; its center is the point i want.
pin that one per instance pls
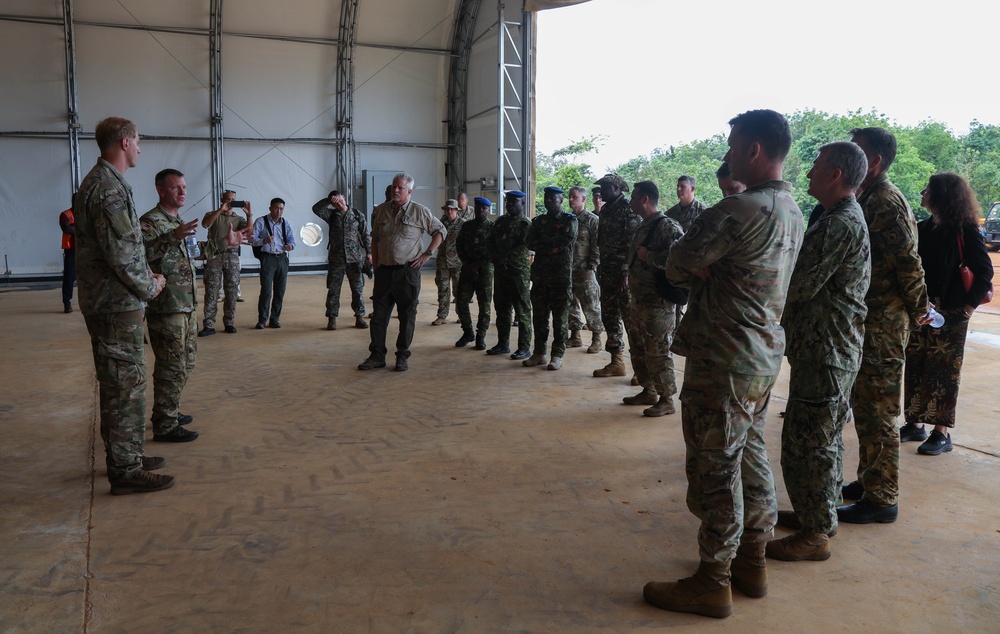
(399, 97)
(175, 13)
(267, 17)
(33, 68)
(423, 24)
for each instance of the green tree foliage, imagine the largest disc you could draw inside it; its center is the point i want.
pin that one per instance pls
(923, 149)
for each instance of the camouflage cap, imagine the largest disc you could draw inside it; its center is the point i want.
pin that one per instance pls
(450, 204)
(596, 191)
(613, 179)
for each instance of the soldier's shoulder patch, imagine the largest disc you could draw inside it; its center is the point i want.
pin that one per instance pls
(894, 234)
(146, 225)
(633, 221)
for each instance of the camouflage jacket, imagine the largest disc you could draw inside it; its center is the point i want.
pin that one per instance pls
(447, 253)
(471, 243)
(111, 269)
(641, 279)
(824, 318)
(617, 225)
(168, 256)
(745, 246)
(586, 252)
(897, 295)
(216, 244)
(349, 242)
(686, 215)
(507, 246)
(551, 237)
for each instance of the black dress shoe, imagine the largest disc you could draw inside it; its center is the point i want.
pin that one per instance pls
(273, 324)
(231, 329)
(865, 512)
(520, 353)
(177, 434)
(370, 364)
(498, 349)
(852, 491)
(184, 419)
(936, 445)
(259, 326)
(206, 332)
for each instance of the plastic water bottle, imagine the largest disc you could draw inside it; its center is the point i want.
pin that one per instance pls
(193, 249)
(937, 319)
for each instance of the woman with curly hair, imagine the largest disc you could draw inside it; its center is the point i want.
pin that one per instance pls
(946, 240)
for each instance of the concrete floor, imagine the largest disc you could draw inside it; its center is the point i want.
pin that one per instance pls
(469, 494)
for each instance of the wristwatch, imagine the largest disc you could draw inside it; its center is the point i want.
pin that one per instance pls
(428, 253)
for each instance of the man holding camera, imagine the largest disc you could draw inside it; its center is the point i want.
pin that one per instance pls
(222, 263)
(350, 253)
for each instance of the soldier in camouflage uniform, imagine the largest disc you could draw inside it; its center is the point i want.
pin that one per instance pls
(350, 249)
(688, 208)
(824, 326)
(586, 307)
(115, 282)
(509, 254)
(222, 263)
(448, 265)
(477, 274)
(737, 259)
(171, 317)
(728, 185)
(598, 200)
(617, 226)
(465, 212)
(896, 299)
(551, 237)
(652, 316)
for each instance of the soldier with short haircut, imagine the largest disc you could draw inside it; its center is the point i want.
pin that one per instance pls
(222, 263)
(896, 299)
(477, 274)
(448, 267)
(551, 237)
(824, 326)
(350, 253)
(115, 282)
(728, 185)
(614, 236)
(652, 315)
(586, 307)
(595, 194)
(737, 259)
(509, 253)
(688, 208)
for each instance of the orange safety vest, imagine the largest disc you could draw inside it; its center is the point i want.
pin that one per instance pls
(68, 241)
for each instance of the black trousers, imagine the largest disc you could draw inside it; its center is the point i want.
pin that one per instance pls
(273, 277)
(69, 275)
(397, 286)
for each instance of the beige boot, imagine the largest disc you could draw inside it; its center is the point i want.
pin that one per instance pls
(646, 397)
(574, 340)
(554, 364)
(595, 344)
(664, 406)
(615, 368)
(706, 593)
(535, 359)
(749, 570)
(800, 546)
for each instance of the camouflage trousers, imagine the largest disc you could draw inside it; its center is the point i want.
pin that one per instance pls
(173, 337)
(476, 281)
(447, 279)
(554, 301)
(650, 334)
(510, 294)
(875, 401)
(812, 445)
(335, 281)
(586, 307)
(120, 362)
(222, 272)
(730, 484)
(614, 309)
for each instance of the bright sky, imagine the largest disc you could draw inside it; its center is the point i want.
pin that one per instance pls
(653, 73)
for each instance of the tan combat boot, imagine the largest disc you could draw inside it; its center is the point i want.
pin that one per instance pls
(707, 593)
(664, 406)
(535, 359)
(647, 396)
(749, 570)
(800, 546)
(574, 340)
(595, 344)
(554, 364)
(615, 368)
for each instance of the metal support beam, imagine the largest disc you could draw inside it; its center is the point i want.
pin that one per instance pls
(456, 171)
(513, 86)
(215, 99)
(345, 178)
(72, 106)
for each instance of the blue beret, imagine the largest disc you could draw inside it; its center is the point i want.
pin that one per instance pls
(515, 194)
(483, 201)
(554, 190)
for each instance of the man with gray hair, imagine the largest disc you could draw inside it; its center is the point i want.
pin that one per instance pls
(688, 207)
(398, 229)
(824, 322)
